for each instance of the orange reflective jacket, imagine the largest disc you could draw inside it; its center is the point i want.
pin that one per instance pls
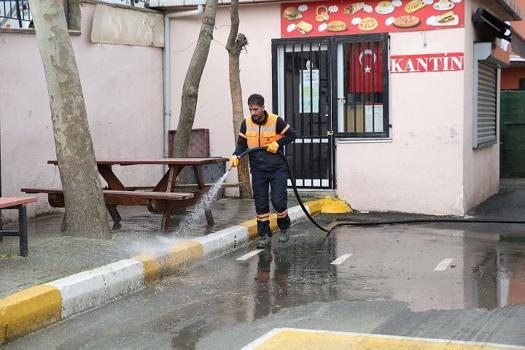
(262, 135)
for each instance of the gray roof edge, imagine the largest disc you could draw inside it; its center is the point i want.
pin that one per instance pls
(511, 7)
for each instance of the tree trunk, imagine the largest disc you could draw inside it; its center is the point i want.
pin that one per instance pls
(190, 89)
(84, 202)
(236, 42)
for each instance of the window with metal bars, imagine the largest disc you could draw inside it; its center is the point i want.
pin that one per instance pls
(15, 14)
(363, 88)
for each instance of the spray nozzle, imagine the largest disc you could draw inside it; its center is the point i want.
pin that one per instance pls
(248, 151)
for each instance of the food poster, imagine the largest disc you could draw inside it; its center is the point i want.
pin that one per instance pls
(350, 17)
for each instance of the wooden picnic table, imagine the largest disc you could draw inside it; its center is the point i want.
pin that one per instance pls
(162, 198)
(18, 203)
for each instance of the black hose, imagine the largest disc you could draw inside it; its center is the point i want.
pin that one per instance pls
(337, 223)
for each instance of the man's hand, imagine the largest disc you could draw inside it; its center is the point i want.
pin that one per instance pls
(273, 147)
(234, 161)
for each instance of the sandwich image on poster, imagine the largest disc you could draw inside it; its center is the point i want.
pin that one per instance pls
(352, 9)
(444, 20)
(292, 13)
(414, 5)
(304, 27)
(337, 26)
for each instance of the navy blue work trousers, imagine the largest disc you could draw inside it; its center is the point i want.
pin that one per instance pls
(276, 180)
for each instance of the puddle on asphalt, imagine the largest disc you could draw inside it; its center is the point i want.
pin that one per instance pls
(483, 272)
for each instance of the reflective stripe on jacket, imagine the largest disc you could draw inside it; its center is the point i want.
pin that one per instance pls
(262, 135)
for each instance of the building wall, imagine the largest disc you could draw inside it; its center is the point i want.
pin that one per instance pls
(419, 170)
(481, 166)
(122, 88)
(510, 78)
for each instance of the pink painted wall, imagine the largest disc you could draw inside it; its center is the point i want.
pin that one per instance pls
(123, 91)
(420, 169)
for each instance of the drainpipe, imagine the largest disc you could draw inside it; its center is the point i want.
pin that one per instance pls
(167, 67)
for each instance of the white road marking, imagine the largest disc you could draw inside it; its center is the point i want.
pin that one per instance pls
(249, 255)
(443, 265)
(341, 259)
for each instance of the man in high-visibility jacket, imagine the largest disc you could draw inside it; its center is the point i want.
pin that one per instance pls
(267, 167)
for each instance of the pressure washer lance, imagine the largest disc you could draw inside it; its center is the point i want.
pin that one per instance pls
(332, 226)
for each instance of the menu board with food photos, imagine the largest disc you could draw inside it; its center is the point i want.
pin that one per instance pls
(372, 16)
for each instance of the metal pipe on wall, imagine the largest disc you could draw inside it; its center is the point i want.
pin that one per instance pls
(167, 67)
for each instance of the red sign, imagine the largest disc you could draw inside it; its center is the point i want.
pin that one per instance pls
(438, 62)
(324, 18)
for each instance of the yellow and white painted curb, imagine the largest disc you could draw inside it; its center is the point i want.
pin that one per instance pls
(35, 308)
(300, 339)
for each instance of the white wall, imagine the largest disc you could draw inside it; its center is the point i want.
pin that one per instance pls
(123, 91)
(420, 169)
(481, 167)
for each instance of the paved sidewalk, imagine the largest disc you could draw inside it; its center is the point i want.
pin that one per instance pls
(53, 255)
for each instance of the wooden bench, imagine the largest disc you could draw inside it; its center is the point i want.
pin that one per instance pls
(185, 186)
(155, 201)
(18, 203)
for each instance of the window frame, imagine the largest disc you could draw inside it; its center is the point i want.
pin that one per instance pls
(18, 15)
(333, 42)
(476, 143)
(384, 39)
(72, 23)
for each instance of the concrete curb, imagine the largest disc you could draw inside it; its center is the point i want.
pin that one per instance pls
(37, 307)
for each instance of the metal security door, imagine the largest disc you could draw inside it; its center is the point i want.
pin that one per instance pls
(302, 95)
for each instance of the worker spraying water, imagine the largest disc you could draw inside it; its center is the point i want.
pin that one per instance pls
(268, 167)
(262, 137)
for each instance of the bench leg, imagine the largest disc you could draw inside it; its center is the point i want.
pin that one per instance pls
(22, 227)
(165, 223)
(115, 215)
(209, 217)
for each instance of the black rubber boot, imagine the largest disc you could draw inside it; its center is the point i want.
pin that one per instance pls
(264, 242)
(284, 236)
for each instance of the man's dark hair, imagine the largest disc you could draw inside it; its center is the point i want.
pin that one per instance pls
(256, 99)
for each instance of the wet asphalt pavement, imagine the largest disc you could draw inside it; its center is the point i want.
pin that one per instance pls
(447, 281)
